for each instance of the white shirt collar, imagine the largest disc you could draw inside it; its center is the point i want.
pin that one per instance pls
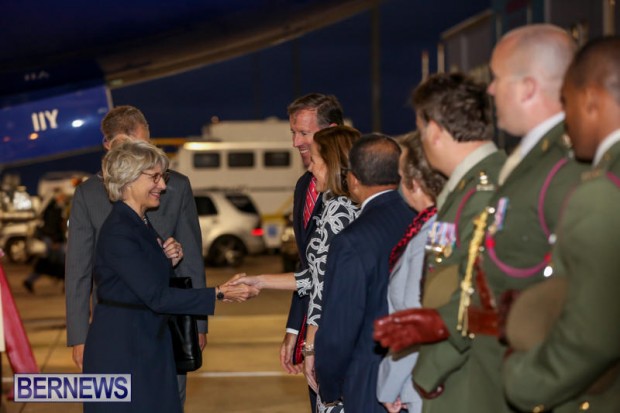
(532, 137)
(607, 143)
(370, 198)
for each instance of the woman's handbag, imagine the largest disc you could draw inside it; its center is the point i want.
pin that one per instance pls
(184, 332)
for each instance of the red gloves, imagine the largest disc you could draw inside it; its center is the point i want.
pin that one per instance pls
(410, 327)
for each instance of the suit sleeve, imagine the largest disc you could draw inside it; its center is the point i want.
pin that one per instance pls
(187, 232)
(394, 379)
(140, 269)
(583, 344)
(336, 217)
(345, 299)
(79, 270)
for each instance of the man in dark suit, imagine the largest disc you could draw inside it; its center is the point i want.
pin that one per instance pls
(308, 115)
(176, 218)
(356, 279)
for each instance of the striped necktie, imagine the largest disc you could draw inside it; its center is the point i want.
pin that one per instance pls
(311, 196)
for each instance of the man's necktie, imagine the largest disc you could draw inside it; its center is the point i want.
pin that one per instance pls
(311, 196)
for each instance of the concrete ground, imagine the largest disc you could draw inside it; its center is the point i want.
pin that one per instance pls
(240, 372)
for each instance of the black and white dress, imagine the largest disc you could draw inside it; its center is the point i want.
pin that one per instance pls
(337, 214)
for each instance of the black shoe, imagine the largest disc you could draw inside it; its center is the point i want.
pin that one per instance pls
(28, 286)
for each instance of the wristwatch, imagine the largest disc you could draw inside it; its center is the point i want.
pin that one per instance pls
(219, 294)
(307, 350)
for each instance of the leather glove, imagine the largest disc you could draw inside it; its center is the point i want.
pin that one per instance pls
(410, 327)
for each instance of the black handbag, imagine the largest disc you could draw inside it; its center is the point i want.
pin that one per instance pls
(184, 332)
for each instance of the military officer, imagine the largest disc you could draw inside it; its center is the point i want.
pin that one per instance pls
(576, 367)
(518, 229)
(453, 117)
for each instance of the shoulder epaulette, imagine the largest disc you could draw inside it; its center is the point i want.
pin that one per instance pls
(589, 175)
(484, 183)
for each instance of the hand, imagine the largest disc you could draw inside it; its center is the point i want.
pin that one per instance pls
(243, 279)
(286, 354)
(406, 328)
(238, 293)
(78, 355)
(173, 250)
(310, 373)
(395, 407)
(202, 341)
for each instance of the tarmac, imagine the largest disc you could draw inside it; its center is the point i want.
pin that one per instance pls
(241, 371)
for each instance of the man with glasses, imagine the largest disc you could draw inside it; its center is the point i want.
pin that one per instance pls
(176, 219)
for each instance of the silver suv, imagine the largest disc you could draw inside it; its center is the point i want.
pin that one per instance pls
(230, 225)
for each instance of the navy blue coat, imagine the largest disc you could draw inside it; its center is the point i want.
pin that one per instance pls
(354, 296)
(130, 267)
(299, 305)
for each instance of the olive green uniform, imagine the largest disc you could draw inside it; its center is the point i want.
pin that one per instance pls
(475, 385)
(567, 372)
(470, 195)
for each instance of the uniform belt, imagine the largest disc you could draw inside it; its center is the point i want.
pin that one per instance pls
(483, 321)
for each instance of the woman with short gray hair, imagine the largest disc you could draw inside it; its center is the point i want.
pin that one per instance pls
(132, 271)
(126, 161)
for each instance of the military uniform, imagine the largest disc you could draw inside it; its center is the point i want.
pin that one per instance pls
(524, 214)
(577, 366)
(455, 216)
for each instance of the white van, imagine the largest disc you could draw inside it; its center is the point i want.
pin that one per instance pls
(268, 170)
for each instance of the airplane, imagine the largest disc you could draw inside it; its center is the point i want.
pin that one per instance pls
(60, 60)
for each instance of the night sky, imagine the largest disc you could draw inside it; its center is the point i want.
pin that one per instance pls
(335, 60)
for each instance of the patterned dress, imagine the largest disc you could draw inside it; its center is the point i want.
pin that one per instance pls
(337, 213)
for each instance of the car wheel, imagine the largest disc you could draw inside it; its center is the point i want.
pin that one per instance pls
(226, 251)
(16, 250)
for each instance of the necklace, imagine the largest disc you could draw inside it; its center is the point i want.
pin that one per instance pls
(145, 220)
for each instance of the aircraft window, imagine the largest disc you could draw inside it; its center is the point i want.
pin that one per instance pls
(240, 159)
(277, 159)
(205, 206)
(206, 160)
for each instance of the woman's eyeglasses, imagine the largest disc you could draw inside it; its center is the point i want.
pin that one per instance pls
(156, 177)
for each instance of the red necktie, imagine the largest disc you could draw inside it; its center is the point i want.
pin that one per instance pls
(311, 196)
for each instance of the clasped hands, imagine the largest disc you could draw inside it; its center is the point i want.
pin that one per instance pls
(236, 291)
(410, 327)
(173, 250)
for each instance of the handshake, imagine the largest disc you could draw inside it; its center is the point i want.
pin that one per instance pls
(239, 288)
(242, 286)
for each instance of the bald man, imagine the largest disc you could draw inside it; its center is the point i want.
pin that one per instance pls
(576, 368)
(528, 65)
